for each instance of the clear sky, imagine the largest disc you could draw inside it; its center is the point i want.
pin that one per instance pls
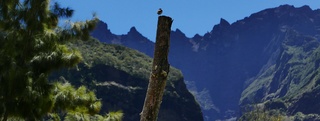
(190, 16)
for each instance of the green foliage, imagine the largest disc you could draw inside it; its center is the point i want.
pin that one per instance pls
(302, 117)
(72, 104)
(76, 116)
(294, 73)
(261, 116)
(131, 61)
(78, 100)
(105, 71)
(120, 57)
(290, 84)
(114, 116)
(203, 97)
(32, 46)
(258, 113)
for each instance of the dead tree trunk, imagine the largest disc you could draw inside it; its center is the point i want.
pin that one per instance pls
(160, 71)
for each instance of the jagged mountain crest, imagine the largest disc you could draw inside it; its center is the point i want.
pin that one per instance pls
(132, 39)
(230, 57)
(103, 33)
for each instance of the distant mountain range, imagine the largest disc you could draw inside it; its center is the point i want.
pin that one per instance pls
(271, 58)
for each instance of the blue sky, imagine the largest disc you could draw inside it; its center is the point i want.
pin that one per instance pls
(190, 16)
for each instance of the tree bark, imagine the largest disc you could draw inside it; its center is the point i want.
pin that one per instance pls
(160, 71)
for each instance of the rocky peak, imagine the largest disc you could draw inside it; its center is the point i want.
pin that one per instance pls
(197, 37)
(103, 27)
(102, 24)
(291, 11)
(221, 26)
(291, 8)
(102, 32)
(134, 35)
(305, 8)
(133, 31)
(178, 32)
(224, 23)
(178, 38)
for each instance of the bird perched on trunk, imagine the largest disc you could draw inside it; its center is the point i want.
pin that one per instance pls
(159, 11)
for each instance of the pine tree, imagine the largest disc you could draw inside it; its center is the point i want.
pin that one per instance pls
(31, 47)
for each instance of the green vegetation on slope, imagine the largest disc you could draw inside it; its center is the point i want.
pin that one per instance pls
(290, 80)
(131, 61)
(119, 76)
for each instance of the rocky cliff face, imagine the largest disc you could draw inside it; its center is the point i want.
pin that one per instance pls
(291, 82)
(120, 76)
(133, 39)
(233, 57)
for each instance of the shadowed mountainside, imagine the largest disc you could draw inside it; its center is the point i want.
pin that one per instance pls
(120, 76)
(229, 60)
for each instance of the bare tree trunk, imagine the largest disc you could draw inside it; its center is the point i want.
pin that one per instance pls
(160, 71)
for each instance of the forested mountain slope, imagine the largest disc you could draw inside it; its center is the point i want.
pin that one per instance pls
(120, 76)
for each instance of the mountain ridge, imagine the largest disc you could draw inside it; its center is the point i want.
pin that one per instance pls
(231, 56)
